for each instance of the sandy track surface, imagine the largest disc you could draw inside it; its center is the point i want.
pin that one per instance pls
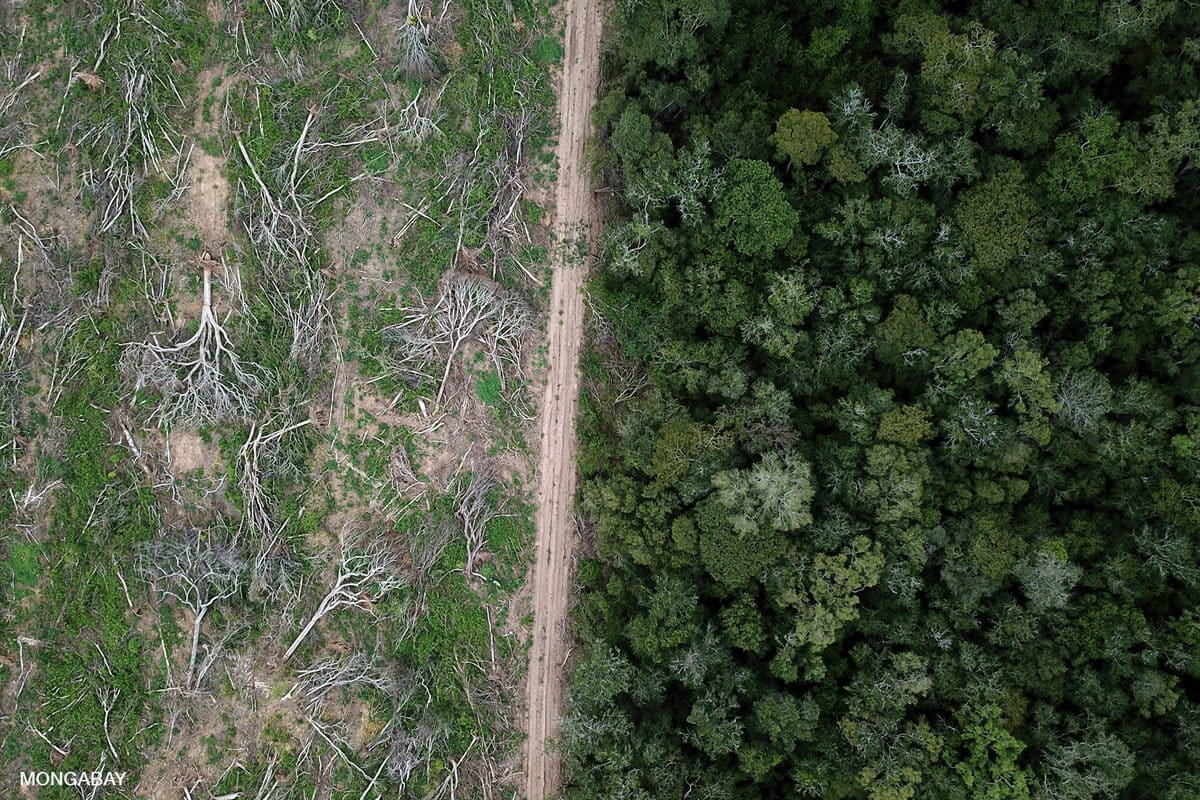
(576, 215)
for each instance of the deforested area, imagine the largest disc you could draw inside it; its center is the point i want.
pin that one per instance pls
(890, 449)
(272, 278)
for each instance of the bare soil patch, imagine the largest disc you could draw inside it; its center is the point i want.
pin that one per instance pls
(208, 193)
(189, 453)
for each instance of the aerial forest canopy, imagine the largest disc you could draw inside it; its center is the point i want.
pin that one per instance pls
(891, 448)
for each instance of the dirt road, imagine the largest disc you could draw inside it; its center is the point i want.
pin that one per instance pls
(575, 215)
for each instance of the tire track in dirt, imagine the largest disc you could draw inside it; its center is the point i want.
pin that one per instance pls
(576, 215)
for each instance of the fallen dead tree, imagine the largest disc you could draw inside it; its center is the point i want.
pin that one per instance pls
(259, 459)
(408, 746)
(485, 184)
(278, 211)
(280, 201)
(198, 569)
(201, 379)
(44, 265)
(415, 121)
(294, 17)
(17, 77)
(129, 146)
(48, 309)
(474, 510)
(310, 312)
(430, 337)
(332, 673)
(259, 455)
(366, 572)
(415, 45)
(502, 176)
(507, 228)
(12, 328)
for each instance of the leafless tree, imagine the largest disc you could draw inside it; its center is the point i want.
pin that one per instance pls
(201, 378)
(468, 307)
(268, 789)
(367, 570)
(332, 673)
(279, 206)
(199, 569)
(218, 647)
(411, 738)
(337, 735)
(1168, 553)
(126, 148)
(16, 76)
(414, 43)
(107, 692)
(474, 510)
(259, 457)
(1084, 397)
(278, 213)
(93, 791)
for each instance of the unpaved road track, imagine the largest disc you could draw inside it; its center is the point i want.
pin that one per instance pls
(576, 215)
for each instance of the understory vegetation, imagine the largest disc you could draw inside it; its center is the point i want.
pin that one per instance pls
(891, 448)
(268, 300)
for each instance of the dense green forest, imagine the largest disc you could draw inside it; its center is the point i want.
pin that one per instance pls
(898, 495)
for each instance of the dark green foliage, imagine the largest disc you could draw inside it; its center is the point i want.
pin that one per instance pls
(909, 506)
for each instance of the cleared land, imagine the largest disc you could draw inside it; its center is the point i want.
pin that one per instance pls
(268, 318)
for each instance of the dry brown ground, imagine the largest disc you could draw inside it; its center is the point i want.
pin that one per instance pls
(576, 213)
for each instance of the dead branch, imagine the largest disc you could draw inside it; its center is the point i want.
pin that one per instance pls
(505, 224)
(332, 673)
(467, 308)
(502, 175)
(201, 379)
(14, 74)
(199, 569)
(474, 510)
(279, 231)
(366, 572)
(44, 261)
